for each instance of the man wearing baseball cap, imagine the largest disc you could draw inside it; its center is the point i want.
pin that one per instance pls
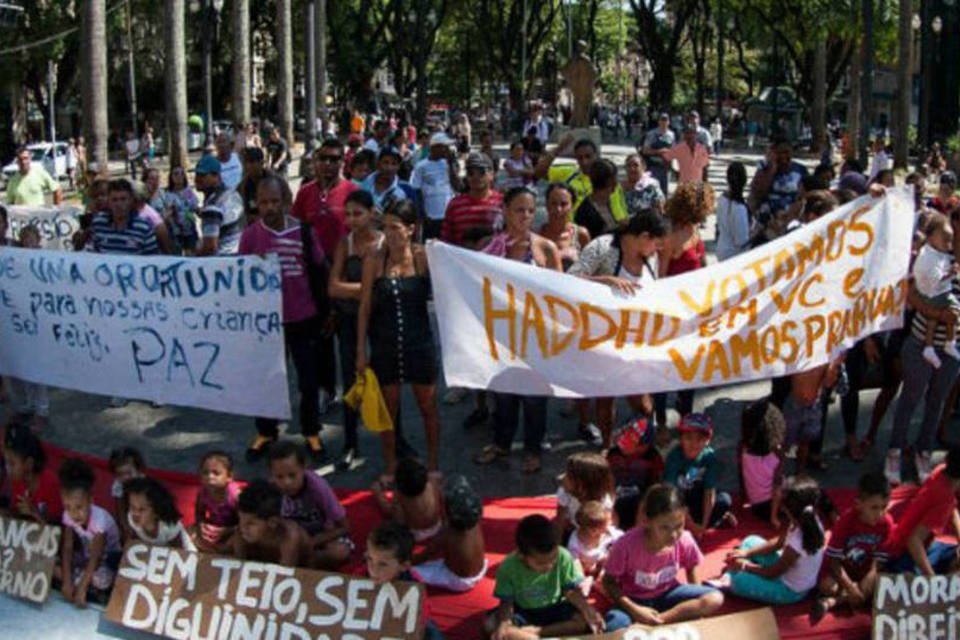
(478, 208)
(434, 179)
(221, 217)
(662, 137)
(693, 468)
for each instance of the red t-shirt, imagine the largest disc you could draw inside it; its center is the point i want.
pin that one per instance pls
(856, 544)
(324, 210)
(46, 497)
(465, 212)
(932, 506)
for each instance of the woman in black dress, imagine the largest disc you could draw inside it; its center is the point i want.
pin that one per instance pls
(393, 309)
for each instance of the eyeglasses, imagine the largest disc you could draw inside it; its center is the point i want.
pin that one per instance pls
(330, 159)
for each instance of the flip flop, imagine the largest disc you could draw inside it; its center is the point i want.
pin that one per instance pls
(490, 453)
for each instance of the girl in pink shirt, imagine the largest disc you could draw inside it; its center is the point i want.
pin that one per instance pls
(763, 431)
(643, 567)
(216, 514)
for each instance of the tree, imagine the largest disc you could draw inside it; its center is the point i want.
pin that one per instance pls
(175, 74)
(358, 44)
(901, 124)
(241, 60)
(93, 27)
(285, 69)
(411, 36)
(659, 38)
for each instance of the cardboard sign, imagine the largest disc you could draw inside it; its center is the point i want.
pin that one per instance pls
(790, 305)
(911, 606)
(196, 332)
(757, 624)
(55, 224)
(177, 594)
(28, 551)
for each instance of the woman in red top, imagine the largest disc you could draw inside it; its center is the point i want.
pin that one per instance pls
(34, 490)
(683, 251)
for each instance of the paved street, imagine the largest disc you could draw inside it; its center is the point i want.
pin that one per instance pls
(175, 437)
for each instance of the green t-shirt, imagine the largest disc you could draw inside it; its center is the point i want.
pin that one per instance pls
(691, 475)
(526, 589)
(30, 189)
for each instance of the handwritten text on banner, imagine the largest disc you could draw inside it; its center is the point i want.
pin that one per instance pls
(201, 332)
(56, 225)
(787, 306)
(28, 551)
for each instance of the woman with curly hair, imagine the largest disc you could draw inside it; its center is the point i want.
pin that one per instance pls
(683, 251)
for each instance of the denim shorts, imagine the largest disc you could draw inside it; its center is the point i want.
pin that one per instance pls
(618, 619)
(803, 423)
(544, 616)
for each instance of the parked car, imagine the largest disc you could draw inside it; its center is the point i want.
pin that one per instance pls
(42, 153)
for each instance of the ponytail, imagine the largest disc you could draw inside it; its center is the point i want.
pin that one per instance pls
(801, 497)
(810, 529)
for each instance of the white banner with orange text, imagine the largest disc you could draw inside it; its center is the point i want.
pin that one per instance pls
(790, 305)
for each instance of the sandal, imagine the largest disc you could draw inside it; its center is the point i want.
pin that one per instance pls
(531, 463)
(490, 453)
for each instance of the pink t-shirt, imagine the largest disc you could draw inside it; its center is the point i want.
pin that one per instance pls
(690, 164)
(259, 239)
(643, 575)
(758, 475)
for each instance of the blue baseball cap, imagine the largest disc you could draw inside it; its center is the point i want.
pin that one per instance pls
(696, 423)
(207, 165)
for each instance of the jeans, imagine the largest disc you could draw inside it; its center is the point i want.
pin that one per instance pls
(326, 363)
(694, 500)
(919, 377)
(347, 350)
(661, 173)
(506, 416)
(755, 587)
(617, 619)
(301, 338)
(856, 364)
(940, 554)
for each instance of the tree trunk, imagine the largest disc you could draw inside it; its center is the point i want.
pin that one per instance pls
(321, 45)
(661, 87)
(285, 70)
(94, 86)
(818, 119)
(901, 124)
(866, 86)
(853, 105)
(241, 60)
(175, 77)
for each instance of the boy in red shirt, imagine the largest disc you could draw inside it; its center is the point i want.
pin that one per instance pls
(34, 489)
(855, 548)
(912, 546)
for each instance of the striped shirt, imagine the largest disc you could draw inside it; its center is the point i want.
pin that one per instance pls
(918, 328)
(136, 238)
(466, 212)
(222, 217)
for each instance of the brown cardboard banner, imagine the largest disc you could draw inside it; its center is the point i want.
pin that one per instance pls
(28, 551)
(911, 606)
(757, 624)
(177, 594)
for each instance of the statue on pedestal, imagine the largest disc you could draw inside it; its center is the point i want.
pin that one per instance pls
(580, 77)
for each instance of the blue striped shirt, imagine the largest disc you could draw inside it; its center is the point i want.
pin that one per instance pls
(138, 238)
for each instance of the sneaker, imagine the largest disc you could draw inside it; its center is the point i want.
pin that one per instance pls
(950, 349)
(590, 434)
(930, 355)
(345, 463)
(924, 465)
(116, 403)
(455, 395)
(891, 468)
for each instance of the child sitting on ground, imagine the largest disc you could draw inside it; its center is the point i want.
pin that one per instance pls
(216, 506)
(587, 477)
(90, 548)
(642, 569)
(933, 274)
(416, 502)
(912, 545)
(692, 467)
(590, 542)
(538, 586)
(34, 489)
(388, 557)
(636, 466)
(855, 548)
(309, 501)
(464, 563)
(263, 535)
(153, 516)
(761, 459)
(782, 570)
(125, 464)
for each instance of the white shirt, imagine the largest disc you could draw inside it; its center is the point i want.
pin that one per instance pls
(372, 144)
(590, 557)
(733, 228)
(231, 171)
(932, 272)
(542, 126)
(100, 522)
(881, 161)
(802, 576)
(432, 179)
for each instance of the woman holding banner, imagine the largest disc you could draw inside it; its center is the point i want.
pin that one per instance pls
(625, 260)
(395, 288)
(518, 242)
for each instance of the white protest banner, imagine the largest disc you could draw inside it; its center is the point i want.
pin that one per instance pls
(787, 306)
(177, 594)
(756, 624)
(55, 224)
(28, 551)
(906, 605)
(200, 332)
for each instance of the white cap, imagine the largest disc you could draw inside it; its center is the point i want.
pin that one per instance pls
(441, 138)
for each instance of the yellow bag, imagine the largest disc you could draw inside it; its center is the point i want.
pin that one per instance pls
(365, 394)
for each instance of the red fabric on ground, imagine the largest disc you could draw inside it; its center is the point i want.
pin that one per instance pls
(459, 615)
